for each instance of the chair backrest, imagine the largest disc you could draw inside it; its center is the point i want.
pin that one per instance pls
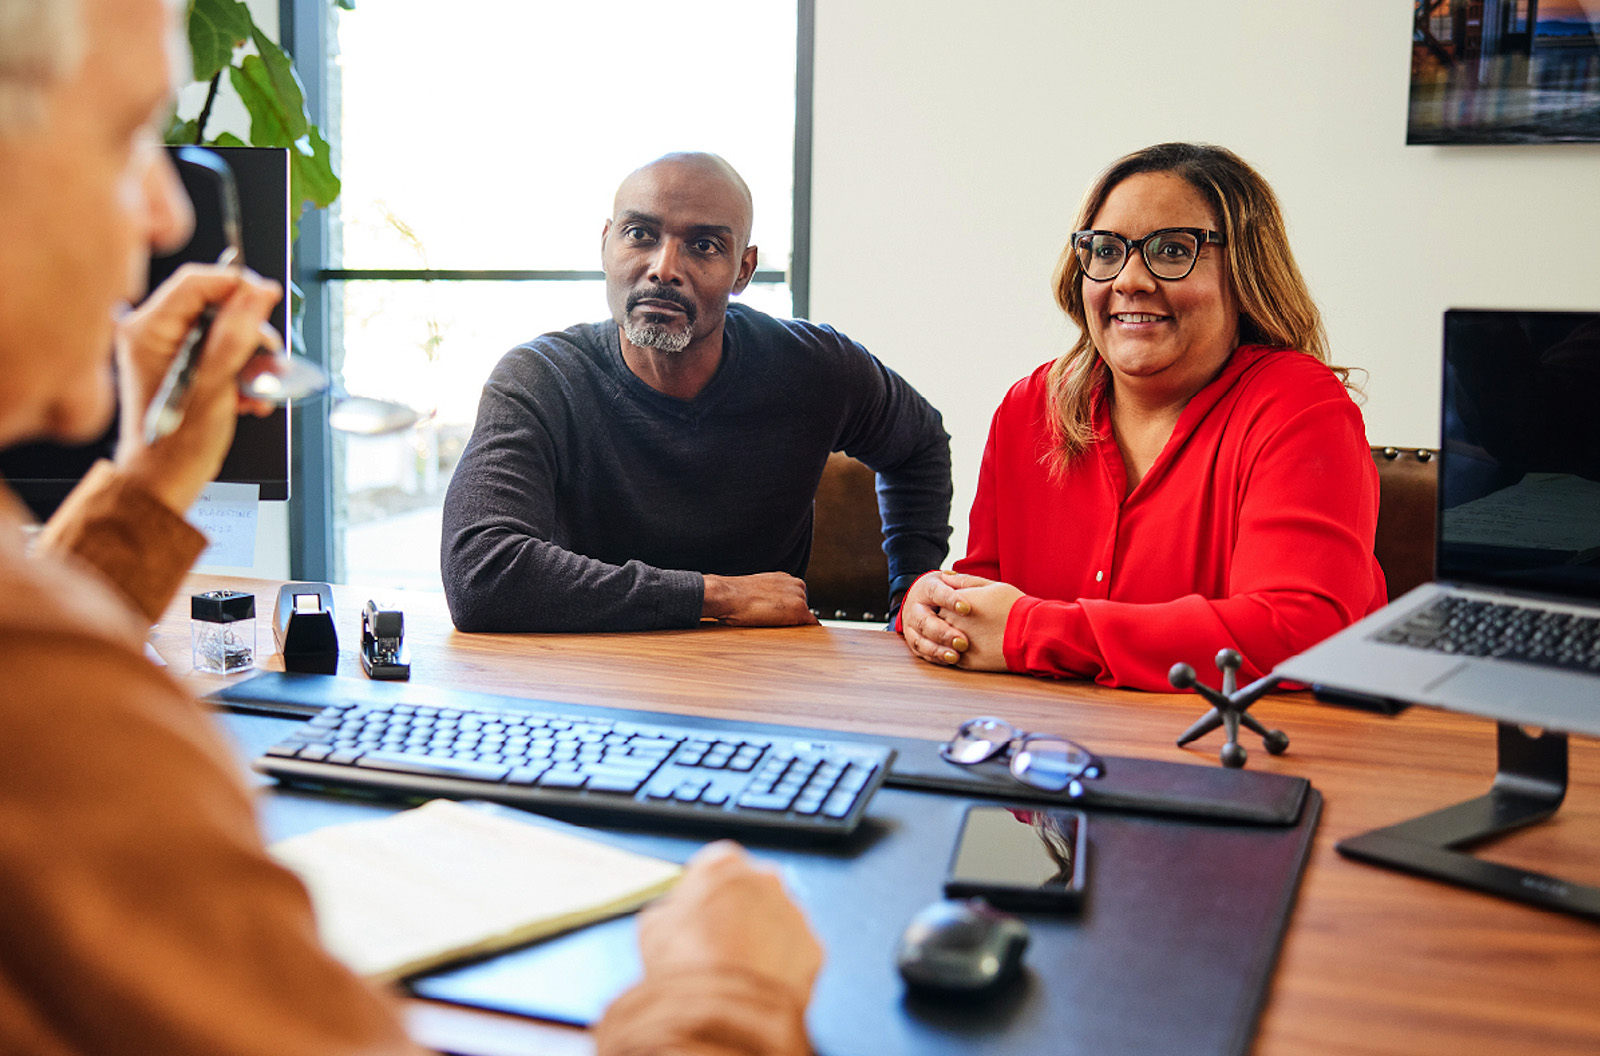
(1408, 482)
(848, 578)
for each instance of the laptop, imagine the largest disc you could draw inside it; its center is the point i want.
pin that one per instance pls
(1510, 629)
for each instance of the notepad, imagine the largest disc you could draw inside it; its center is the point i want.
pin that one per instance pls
(446, 881)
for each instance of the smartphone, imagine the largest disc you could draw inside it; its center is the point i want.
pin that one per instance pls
(1021, 857)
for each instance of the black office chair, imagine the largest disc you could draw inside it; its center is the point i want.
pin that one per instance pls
(848, 577)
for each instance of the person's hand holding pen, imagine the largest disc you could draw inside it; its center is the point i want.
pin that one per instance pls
(729, 912)
(175, 467)
(728, 956)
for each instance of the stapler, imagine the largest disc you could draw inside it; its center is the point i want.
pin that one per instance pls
(384, 654)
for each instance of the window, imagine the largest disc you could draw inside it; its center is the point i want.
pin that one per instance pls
(479, 145)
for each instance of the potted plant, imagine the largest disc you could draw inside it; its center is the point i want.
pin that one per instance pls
(220, 35)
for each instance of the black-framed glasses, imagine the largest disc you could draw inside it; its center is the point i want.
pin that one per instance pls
(1042, 760)
(1169, 253)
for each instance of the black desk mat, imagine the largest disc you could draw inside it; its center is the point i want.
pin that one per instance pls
(1172, 952)
(1142, 785)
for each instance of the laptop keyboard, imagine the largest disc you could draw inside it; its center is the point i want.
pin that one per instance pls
(579, 765)
(1470, 627)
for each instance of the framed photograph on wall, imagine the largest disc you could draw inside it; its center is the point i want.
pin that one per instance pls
(1505, 71)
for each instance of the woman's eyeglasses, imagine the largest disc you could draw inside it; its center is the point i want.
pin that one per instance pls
(1170, 253)
(1037, 759)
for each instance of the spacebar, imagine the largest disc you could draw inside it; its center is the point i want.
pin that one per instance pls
(421, 764)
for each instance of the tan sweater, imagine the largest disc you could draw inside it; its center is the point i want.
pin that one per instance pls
(141, 913)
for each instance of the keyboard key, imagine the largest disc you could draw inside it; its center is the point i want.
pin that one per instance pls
(690, 791)
(765, 801)
(614, 783)
(808, 804)
(855, 778)
(432, 766)
(620, 772)
(744, 759)
(838, 804)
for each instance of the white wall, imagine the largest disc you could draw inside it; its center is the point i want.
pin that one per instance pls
(954, 139)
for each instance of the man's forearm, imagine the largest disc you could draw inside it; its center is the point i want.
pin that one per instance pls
(914, 501)
(510, 585)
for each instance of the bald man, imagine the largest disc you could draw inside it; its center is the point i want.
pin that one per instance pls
(659, 469)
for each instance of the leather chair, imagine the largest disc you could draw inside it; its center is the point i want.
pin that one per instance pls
(1408, 481)
(848, 578)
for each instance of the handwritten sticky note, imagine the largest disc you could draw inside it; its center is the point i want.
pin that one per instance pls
(226, 513)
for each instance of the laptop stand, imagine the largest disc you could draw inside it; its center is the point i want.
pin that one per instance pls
(1529, 785)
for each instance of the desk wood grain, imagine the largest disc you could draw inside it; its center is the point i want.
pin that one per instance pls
(1374, 962)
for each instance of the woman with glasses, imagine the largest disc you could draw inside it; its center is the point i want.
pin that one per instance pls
(1190, 475)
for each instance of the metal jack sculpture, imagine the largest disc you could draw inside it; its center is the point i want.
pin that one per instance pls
(1228, 708)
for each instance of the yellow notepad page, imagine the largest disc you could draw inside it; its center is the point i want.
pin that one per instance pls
(444, 881)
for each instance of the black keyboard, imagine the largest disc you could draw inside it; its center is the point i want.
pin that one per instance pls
(583, 766)
(1470, 627)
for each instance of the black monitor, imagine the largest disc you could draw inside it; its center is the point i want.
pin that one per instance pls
(42, 474)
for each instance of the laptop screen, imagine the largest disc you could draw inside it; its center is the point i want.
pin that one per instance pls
(1519, 472)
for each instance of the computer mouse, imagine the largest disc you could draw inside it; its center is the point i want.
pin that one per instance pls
(961, 947)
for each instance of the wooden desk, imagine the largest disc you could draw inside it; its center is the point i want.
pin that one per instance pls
(1374, 962)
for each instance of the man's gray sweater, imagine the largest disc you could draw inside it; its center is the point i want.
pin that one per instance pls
(588, 501)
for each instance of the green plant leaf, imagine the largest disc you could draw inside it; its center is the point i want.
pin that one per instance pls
(269, 121)
(271, 93)
(228, 139)
(216, 28)
(311, 169)
(180, 133)
(285, 83)
(311, 177)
